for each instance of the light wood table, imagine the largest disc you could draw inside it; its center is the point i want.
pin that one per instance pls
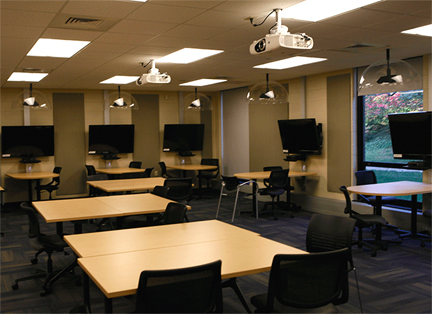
(117, 274)
(119, 241)
(30, 177)
(399, 188)
(126, 185)
(99, 207)
(261, 175)
(193, 167)
(119, 170)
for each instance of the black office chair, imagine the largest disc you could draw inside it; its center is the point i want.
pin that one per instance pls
(133, 175)
(363, 221)
(288, 188)
(91, 170)
(278, 182)
(97, 177)
(52, 186)
(194, 289)
(135, 164)
(180, 189)
(328, 233)
(232, 184)
(164, 171)
(208, 175)
(148, 171)
(41, 243)
(306, 283)
(174, 213)
(368, 177)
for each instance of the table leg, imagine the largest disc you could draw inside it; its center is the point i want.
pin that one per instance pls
(378, 207)
(232, 283)
(108, 305)
(59, 228)
(30, 191)
(413, 232)
(38, 194)
(86, 286)
(254, 199)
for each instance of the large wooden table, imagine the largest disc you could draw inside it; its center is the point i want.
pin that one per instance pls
(100, 207)
(261, 175)
(120, 170)
(126, 185)
(115, 270)
(399, 188)
(33, 176)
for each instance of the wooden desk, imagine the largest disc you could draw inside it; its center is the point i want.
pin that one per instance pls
(119, 170)
(117, 274)
(125, 185)
(119, 241)
(99, 207)
(261, 175)
(394, 189)
(30, 177)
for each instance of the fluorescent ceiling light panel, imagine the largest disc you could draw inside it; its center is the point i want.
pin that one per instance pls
(422, 30)
(188, 55)
(119, 79)
(289, 63)
(26, 77)
(140, 0)
(57, 48)
(203, 82)
(316, 10)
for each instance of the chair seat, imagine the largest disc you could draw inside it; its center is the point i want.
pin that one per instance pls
(48, 187)
(260, 301)
(272, 191)
(53, 241)
(370, 219)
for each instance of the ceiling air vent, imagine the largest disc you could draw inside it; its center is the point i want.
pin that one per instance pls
(83, 22)
(32, 70)
(357, 48)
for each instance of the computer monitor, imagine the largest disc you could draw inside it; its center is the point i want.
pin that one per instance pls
(111, 139)
(183, 138)
(27, 142)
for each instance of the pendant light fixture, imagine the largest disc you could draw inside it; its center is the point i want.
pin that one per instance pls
(388, 76)
(32, 99)
(267, 93)
(197, 101)
(122, 100)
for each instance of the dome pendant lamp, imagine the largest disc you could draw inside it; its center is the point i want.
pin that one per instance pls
(197, 102)
(122, 100)
(268, 93)
(34, 100)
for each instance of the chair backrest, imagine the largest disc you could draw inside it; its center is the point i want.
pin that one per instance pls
(309, 280)
(91, 170)
(328, 233)
(174, 213)
(211, 162)
(270, 168)
(231, 183)
(160, 190)
(194, 289)
(133, 175)
(163, 168)
(348, 206)
(365, 177)
(135, 164)
(34, 228)
(279, 178)
(148, 171)
(57, 170)
(180, 188)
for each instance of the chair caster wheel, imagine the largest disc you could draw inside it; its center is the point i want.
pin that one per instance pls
(45, 292)
(15, 286)
(34, 260)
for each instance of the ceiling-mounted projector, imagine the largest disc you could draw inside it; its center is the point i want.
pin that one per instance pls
(280, 37)
(153, 76)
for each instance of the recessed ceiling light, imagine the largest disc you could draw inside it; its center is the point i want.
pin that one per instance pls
(203, 82)
(289, 63)
(26, 77)
(316, 10)
(140, 0)
(57, 48)
(188, 55)
(119, 79)
(422, 30)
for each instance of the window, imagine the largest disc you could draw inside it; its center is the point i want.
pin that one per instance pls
(374, 142)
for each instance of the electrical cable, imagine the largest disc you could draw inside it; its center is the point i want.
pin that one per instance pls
(265, 19)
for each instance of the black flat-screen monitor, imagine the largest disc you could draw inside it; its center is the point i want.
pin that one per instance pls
(27, 142)
(111, 139)
(183, 138)
(411, 135)
(300, 136)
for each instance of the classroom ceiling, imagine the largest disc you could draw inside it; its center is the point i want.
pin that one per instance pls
(130, 33)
